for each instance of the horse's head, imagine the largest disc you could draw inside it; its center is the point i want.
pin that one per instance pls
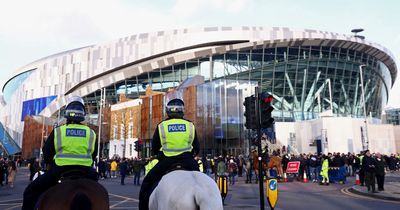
(75, 194)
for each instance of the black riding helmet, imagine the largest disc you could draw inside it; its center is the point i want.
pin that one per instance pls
(75, 110)
(175, 108)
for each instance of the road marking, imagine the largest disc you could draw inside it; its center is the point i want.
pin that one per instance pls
(126, 198)
(347, 192)
(119, 203)
(3, 201)
(19, 205)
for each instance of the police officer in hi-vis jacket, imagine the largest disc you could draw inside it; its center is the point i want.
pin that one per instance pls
(174, 141)
(69, 147)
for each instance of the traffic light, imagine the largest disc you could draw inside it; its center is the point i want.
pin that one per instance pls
(250, 112)
(266, 110)
(140, 144)
(137, 146)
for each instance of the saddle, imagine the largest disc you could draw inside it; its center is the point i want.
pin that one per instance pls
(174, 167)
(73, 174)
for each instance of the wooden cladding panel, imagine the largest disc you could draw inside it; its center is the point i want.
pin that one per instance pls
(190, 99)
(32, 135)
(151, 116)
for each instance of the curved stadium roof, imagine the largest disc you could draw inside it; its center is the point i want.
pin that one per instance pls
(133, 55)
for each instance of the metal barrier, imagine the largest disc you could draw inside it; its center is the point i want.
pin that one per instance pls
(337, 174)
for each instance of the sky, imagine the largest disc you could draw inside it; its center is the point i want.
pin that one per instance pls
(30, 30)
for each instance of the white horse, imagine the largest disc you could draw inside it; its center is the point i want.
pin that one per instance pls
(186, 190)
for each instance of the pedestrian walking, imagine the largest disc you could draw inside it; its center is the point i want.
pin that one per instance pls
(248, 170)
(369, 165)
(123, 170)
(361, 172)
(380, 171)
(221, 170)
(232, 169)
(12, 173)
(33, 167)
(114, 166)
(137, 167)
(1, 171)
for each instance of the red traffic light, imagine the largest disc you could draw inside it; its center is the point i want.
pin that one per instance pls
(268, 99)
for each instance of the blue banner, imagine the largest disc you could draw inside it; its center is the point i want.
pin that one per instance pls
(35, 106)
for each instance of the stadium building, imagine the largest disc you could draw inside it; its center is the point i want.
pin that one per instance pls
(318, 80)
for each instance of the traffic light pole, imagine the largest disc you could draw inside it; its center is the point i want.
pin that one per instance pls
(260, 176)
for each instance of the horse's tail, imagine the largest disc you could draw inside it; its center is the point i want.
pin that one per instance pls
(81, 201)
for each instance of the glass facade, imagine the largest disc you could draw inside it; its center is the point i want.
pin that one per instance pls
(393, 116)
(14, 84)
(304, 81)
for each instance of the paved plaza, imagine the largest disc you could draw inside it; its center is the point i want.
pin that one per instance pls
(292, 195)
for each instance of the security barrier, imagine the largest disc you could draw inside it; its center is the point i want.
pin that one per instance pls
(337, 174)
(273, 173)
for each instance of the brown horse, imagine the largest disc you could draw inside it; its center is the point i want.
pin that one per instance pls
(75, 194)
(276, 161)
(255, 165)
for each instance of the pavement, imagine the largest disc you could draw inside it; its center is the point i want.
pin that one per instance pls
(391, 186)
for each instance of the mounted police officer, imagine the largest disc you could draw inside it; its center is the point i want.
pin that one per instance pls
(175, 142)
(69, 147)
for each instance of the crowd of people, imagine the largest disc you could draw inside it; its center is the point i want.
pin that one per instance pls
(318, 168)
(369, 167)
(109, 168)
(366, 165)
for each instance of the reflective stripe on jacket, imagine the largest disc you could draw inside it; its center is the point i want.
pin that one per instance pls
(361, 158)
(149, 166)
(74, 145)
(200, 163)
(176, 136)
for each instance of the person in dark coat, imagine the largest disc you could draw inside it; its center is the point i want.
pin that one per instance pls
(380, 171)
(1, 172)
(102, 169)
(369, 166)
(136, 168)
(123, 170)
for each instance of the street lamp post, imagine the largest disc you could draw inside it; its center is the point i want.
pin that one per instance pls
(102, 99)
(365, 143)
(41, 140)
